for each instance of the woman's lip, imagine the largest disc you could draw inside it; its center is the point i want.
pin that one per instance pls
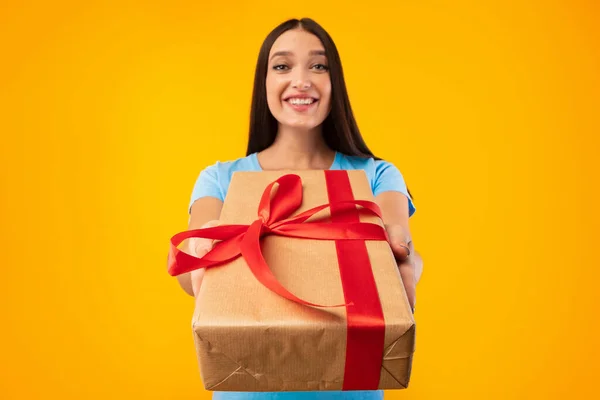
(300, 97)
(301, 107)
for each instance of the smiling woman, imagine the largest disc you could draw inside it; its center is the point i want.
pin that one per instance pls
(301, 119)
(306, 102)
(298, 89)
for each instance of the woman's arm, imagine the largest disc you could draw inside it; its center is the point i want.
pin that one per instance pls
(394, 209)
(204, 210)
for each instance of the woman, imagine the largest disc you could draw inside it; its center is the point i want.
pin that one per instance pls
(301, 119)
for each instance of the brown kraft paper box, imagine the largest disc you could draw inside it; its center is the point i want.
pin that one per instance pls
(250, 339)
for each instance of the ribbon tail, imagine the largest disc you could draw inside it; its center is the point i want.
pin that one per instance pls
(250, 249)
(217, 233)
(223, 252)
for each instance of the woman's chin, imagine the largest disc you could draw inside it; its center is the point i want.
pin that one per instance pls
(305, 124)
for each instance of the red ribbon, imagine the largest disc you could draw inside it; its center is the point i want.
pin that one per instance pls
(366, 326)
(365, 336)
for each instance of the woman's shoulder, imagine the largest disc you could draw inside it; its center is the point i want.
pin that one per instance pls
(373, 167)
(355, 162)
(228, 167)
(383, 175)
(214, 179)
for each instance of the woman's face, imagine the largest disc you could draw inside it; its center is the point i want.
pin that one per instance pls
(298, 82)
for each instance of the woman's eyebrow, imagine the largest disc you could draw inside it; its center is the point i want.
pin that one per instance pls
(289, 53)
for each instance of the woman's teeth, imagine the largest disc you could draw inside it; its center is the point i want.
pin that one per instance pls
(300, 101)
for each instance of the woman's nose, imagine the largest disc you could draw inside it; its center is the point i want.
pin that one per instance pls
(301, 81)
(301, 84)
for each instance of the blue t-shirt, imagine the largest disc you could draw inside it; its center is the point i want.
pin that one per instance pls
(214, 181)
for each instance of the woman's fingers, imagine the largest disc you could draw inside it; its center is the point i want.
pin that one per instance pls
(199, 247)
(398, 241)
(407, 272)
(401, 250)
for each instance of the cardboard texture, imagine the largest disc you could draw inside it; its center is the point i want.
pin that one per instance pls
(250, 339)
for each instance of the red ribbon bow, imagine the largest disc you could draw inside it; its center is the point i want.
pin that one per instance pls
(244, 240)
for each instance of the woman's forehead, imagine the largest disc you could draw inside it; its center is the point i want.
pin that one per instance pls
(297, 42)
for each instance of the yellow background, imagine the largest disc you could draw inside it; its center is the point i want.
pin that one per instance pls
(108, 112)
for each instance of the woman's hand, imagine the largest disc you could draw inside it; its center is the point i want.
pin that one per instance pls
(406, 258)
(198, 247)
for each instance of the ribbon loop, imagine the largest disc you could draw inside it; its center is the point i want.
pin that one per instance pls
(286, 199)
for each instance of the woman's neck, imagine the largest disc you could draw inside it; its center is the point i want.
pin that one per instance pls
(297, 149)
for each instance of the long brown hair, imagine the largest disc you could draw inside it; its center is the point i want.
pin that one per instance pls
(340, 130)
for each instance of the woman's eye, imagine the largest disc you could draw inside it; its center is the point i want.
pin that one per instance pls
(321, 67)
(280, 67)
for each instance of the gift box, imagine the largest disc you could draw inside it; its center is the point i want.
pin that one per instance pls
(302, 291)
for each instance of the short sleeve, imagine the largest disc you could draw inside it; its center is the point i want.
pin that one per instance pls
(207, 185)
(388, 178)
